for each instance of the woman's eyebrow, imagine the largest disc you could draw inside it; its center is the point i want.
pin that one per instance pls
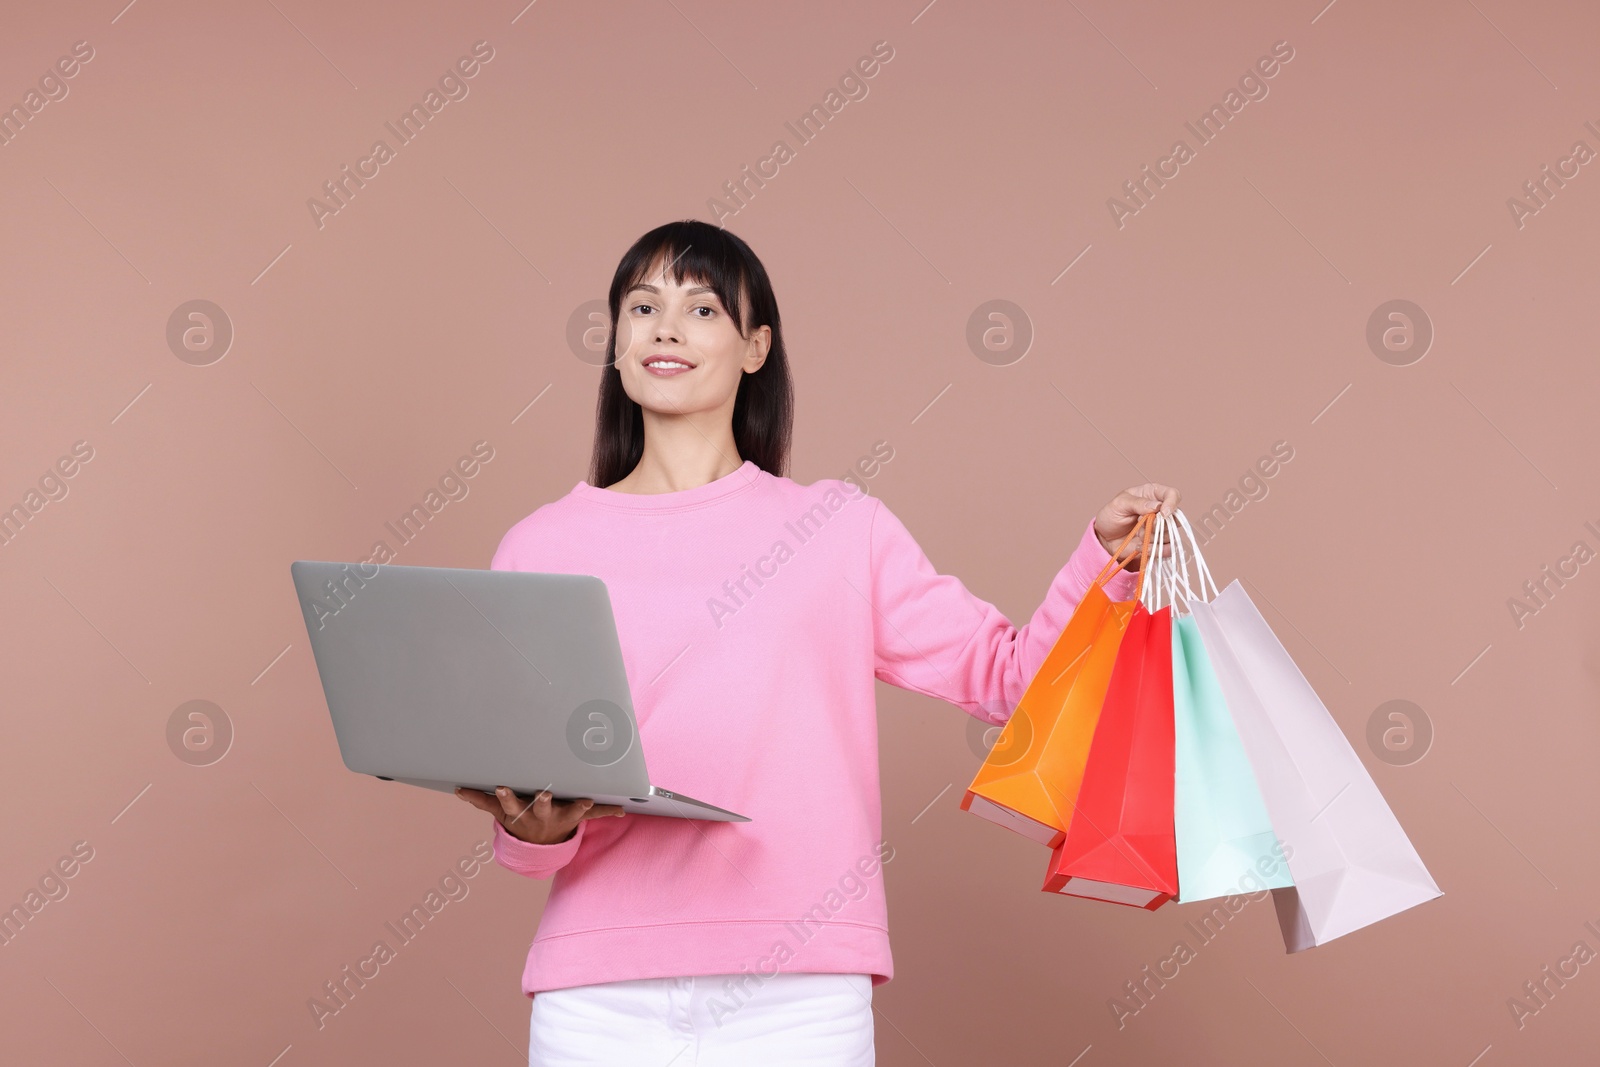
(696, 291)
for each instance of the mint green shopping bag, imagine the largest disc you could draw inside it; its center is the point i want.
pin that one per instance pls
(1226, 844)
(1225, 839)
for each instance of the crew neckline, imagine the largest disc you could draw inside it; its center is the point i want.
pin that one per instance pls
(737, 480)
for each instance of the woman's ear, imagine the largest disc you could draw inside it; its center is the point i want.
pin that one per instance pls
(760, 343)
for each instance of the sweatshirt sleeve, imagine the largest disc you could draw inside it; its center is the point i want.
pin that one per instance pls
(534, 861)
(932, 636)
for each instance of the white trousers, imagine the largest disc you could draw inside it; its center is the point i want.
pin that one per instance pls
(799, 1019)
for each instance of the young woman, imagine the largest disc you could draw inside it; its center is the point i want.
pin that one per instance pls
(754, 614)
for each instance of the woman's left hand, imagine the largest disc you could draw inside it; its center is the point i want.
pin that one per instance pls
(1114, 521)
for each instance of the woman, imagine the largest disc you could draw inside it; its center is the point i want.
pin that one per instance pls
(754, 614)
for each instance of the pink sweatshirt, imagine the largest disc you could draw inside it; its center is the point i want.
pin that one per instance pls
(754, 614)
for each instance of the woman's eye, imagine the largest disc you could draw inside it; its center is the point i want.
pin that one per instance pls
(647, 308)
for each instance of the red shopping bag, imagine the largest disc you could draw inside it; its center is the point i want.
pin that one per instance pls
(1119, 844)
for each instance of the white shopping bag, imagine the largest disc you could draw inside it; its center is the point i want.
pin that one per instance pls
(1352, 863)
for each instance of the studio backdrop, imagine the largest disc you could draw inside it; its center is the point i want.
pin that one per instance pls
(290, 280)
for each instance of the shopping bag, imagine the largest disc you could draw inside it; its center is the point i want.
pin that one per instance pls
(1029, 781)
(1351, 862)
(1224, 836)
(1119, 843)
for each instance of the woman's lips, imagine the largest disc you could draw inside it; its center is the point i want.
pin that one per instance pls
(663, 370)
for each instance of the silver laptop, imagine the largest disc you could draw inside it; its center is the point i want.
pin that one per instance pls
(441, 677)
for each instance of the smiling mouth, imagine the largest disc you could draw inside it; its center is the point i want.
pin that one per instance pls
(665, 363)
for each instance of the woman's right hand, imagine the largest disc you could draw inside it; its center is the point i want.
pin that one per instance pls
(544, 821)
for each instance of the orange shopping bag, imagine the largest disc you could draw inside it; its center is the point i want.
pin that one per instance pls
(1029, 782)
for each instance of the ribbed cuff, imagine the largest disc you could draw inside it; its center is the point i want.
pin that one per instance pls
(535, 861)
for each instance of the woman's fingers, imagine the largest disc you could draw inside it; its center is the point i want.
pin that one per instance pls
(479, 799)
(1122, 514)
(514, 807)
(577, 810)
(543, 810)
(1152, 496)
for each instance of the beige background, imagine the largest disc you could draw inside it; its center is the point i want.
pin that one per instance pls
(431, 312)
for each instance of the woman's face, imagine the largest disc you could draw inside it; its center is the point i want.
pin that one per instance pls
(678, 349)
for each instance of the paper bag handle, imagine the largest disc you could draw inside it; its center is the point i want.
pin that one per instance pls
(1202, 572)
(1116, 562)
(1161, 578)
